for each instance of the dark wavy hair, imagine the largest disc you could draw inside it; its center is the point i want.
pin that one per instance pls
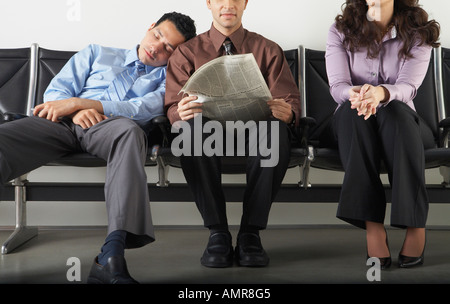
(184, 24)
(410, 20)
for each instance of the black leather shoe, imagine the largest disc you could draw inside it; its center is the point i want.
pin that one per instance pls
(219, 251)
(250, 252)
(114, 272)
(385, 263)
(408, 262)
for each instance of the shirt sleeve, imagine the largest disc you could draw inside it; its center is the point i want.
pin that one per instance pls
(411, 74)
(338, 68)
(281, 82)
(140, 109)
(70, 81)
(179, 69)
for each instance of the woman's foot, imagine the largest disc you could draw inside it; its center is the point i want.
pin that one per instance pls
(413, 248)
(377, 244)
(414, 243)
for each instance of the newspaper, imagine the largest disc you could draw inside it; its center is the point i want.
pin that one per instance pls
(231, 88)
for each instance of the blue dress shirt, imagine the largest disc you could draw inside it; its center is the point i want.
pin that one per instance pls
(90, 72)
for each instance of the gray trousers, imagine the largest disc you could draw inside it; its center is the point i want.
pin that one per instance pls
(31, 142)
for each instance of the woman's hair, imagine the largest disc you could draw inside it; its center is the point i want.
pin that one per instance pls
(410, 20)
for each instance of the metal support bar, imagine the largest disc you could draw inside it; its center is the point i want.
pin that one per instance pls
(163, 173)
(34, 49)
(445, 172)
(22, 233)
(304, 170)
(163, 168)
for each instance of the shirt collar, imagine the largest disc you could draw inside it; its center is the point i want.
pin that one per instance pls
(237, 38)
(392, 34)
(132, 58)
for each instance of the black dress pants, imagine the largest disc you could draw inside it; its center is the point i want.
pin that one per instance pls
(204, 177)
(396, 136)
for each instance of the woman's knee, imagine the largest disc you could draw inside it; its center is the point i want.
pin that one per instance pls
(399, 114)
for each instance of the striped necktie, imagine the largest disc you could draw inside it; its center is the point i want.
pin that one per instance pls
(227, 46)
(120, 86)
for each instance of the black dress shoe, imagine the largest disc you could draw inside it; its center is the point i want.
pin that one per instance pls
(385, 263)
(250, 252)
(408, 262)
(114, 272)
(219, 251)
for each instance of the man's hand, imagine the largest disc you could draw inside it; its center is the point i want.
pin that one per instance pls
(88, 118)
(188, 109)
(54, 110)
(281, 110)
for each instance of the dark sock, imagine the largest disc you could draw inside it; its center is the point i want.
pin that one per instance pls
(218, 228)
(249, 229)
(114, 246)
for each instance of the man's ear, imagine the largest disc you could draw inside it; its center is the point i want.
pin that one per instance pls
(152, 26)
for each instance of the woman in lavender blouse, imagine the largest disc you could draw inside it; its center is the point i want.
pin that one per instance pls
(377, 55)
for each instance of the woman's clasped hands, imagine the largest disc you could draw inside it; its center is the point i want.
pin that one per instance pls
(366, 99)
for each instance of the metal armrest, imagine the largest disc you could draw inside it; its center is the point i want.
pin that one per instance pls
(445, 125)
(164, 125)
(303, 130)
(9, 116)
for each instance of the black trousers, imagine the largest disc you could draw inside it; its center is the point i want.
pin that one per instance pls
(396, 136)
(204, 177)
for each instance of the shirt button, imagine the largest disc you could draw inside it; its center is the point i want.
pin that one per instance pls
(373, 74)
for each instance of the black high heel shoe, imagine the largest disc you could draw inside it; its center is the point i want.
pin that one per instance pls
(408, 262)
(386, 262)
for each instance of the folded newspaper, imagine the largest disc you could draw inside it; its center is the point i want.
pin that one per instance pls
(231, 88)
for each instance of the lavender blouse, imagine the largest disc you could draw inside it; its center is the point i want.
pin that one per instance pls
(399, 75)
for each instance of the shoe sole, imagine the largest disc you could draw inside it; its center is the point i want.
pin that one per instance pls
(216, 265)
(249, 264)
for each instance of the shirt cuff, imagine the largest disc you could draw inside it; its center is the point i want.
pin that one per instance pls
(393, 93)
(108, 108)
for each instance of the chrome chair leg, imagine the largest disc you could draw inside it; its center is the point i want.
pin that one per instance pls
(22, 233)
(163, 173)
(163, 169)
(304, 170)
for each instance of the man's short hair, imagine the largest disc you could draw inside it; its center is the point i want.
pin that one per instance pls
(184, 24)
